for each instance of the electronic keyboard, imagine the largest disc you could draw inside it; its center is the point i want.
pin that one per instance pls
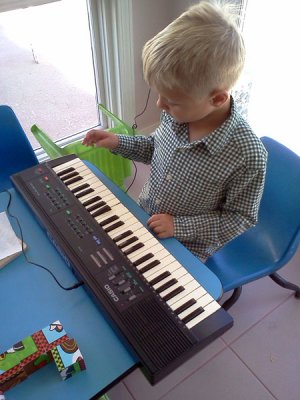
(153, 300)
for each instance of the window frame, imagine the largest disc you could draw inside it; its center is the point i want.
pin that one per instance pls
(112, 45)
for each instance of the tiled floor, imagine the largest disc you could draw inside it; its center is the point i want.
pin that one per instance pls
(259, 358)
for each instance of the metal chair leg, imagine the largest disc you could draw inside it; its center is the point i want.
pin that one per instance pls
(285, 284)
(233, 298)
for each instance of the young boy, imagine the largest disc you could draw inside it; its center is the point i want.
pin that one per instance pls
(207, 166)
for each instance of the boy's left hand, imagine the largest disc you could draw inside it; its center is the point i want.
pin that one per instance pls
(162, 225)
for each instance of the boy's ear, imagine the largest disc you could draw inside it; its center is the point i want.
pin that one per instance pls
(219, 97)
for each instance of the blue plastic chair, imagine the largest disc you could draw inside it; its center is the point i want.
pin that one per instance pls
(16, 152)
(268, 246)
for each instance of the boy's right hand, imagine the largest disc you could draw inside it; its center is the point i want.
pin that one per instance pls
(101, 138)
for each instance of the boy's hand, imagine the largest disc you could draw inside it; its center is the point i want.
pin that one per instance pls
(101, 138)
(162, 225)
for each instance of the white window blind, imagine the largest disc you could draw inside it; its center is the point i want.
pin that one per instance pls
(8, 5)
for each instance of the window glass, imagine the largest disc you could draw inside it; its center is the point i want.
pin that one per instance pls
(46, 68)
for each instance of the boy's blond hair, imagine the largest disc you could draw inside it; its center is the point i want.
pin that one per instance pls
(200, 51)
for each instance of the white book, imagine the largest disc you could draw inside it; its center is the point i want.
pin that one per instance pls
(10, 244)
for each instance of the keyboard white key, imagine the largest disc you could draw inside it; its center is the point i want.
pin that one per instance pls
(76, 162)
(89, 179)
(129, 225)
(189, 295)
(164, 261)
(179, 273)
(142, 249)
(134, 238)
(118, 209)
(209, 309)
(162, 267)
(156, 248)
(183, 281)
(189, 287)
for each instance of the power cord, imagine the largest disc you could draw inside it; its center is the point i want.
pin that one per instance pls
(134, 177)
(75, 286)
(134, 127)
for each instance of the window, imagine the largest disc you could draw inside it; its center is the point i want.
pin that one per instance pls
(271, 32)
(56, 65)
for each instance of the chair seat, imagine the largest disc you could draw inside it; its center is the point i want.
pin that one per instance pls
(251, 256)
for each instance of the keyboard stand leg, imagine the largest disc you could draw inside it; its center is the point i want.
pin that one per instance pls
(233, 298)
(285, 284)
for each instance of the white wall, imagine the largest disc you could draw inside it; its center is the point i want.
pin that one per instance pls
(149, 17)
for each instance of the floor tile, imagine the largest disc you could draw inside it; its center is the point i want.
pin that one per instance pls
(259, 298)
(271, 350)
(140, 388)
(119, 392)
(292, 271)
(224, 377)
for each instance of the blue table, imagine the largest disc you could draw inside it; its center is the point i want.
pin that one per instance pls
(30, 299)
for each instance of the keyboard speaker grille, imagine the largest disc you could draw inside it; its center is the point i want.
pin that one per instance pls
(160, 336)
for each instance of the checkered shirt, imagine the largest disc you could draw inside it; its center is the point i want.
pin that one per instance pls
(211, 186)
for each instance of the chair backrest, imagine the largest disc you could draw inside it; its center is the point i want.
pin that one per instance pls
(274, 240)
(269, 245)
(279, 215)
(16, 152)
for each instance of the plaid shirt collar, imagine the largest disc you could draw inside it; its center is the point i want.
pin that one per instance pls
(216, 140)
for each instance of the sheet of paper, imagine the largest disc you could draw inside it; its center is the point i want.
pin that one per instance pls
(9, 242)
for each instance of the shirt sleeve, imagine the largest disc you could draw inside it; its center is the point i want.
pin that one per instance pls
(238, 213)
(138, 148)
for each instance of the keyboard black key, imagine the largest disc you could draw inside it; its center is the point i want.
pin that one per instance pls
(134, 248)
(114, 226)
(101, 211)
(143, 259)
(166, 285)
(149, 266)
(69, 176)
(79, 188)
(192, 315)
(91, 201)
(65, 171)
(185, 306)
(122, 236)
(174, 293)
(128, 242)
(159, 278)
(96, 206)
(109, 220)
(73, 180)
(84, 192)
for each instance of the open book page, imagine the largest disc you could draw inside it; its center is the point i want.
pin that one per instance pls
(10, 245)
